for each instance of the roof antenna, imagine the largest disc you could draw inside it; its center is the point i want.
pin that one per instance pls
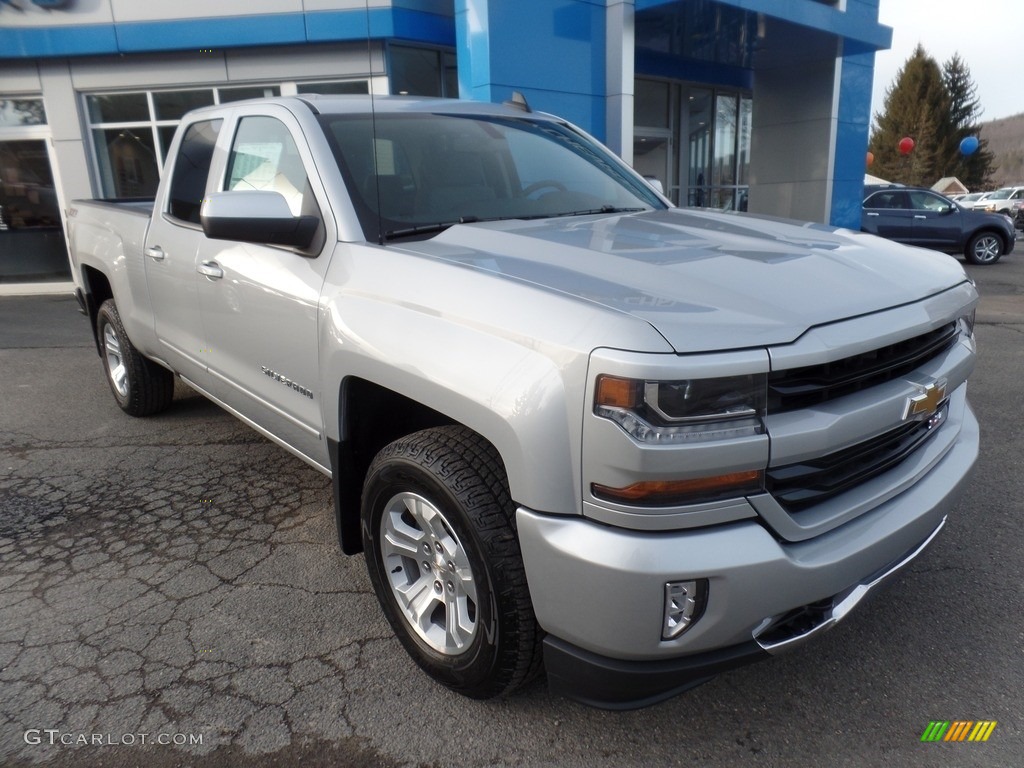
(518, 101)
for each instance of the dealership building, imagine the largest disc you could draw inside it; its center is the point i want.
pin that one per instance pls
(759, 105)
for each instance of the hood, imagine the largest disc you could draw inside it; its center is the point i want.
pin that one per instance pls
(705, 280)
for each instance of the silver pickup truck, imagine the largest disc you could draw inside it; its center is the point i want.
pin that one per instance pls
(568, 425)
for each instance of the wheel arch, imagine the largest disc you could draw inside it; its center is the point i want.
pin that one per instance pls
(534, 447)
(369, 417)
(95, 290)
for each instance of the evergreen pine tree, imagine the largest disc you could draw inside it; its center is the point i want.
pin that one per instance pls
(916, 103)
(965, 110)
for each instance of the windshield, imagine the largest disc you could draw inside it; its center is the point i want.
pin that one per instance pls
(435, 170)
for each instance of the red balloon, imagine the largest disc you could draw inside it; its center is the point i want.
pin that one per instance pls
(906, 145)
(871, 158)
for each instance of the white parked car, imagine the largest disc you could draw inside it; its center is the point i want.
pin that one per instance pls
(973, 199)
(1002, 200)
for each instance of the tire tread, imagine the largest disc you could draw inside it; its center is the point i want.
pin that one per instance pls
(150, 386)
(472, 468)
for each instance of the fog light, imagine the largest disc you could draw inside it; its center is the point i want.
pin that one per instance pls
(684, 605)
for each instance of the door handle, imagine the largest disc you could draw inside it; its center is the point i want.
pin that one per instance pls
(872, 214)
(156, 253)
(919, 216)
(211, 269)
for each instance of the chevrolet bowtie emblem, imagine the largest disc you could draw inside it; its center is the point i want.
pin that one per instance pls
(921, 406)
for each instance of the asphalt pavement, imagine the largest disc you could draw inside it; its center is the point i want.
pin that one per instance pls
(172, 594)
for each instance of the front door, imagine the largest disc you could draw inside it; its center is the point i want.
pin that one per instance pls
(260, 303)
(937, 222)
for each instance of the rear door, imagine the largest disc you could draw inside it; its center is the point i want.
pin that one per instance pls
(260, 303)
(887, 213)
(172, 244)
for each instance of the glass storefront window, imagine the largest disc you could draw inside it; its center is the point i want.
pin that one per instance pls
(31, 235)
(697, 118)
(746, 114)
(335, 88)
(18, 112)
(127, 162)
(422, 72)
(723, 169)
(247, 92)
(132, 132)
(118, 108)
(172, 105)
(451, 75)
(651, 103)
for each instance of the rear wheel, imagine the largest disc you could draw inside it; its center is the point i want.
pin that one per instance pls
(444, 559)
(140, 386)
(984, 248)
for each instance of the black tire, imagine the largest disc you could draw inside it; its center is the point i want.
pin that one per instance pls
(984, 248)
(140, 386)
(449, 485)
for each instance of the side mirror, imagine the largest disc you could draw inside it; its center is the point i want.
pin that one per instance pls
(951, 208)
(255, 216)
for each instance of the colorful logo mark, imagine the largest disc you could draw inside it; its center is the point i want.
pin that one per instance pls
(958, 730)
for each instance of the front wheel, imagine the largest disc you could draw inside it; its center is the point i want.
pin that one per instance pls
(140, 386)
(984, 248)
(444, 560)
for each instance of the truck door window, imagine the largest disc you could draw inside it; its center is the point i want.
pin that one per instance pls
(191, 169)
(264, 157)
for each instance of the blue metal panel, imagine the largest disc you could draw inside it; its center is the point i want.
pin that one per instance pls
(656, 64)
(852, 136)
(225, 32)
(282, 28)
(35, 42)
(859, 22)
(552, 51)
(402, 23)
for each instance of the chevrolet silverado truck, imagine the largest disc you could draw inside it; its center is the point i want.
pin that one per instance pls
(569, 426)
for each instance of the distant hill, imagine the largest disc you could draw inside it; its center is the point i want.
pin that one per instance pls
(1006, 141)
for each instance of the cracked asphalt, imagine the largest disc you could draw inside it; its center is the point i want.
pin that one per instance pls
(177, 579)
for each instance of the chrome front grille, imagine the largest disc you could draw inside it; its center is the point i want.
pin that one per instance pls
(797, 486)
(812, 385)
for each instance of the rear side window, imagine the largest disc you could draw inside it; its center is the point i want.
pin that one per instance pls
(191, 170)
(887, 200)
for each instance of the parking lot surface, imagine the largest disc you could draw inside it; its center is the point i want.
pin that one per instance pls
(172, 593)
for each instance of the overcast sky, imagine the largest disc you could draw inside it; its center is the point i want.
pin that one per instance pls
(988, 35)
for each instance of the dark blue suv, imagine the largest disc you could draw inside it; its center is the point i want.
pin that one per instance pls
(917, 216)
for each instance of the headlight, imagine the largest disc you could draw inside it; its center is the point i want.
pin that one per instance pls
(968, 320)
(690, 410)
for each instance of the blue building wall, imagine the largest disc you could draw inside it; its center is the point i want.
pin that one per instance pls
(555, 52)
(402, 22)
(551, 51)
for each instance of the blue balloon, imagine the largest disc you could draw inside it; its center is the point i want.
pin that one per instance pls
(969, 145)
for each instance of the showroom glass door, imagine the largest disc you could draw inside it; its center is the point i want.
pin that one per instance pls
(32, 244)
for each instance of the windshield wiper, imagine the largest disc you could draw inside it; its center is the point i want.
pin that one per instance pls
(602, 209)
(426, 229)
(441, 226)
